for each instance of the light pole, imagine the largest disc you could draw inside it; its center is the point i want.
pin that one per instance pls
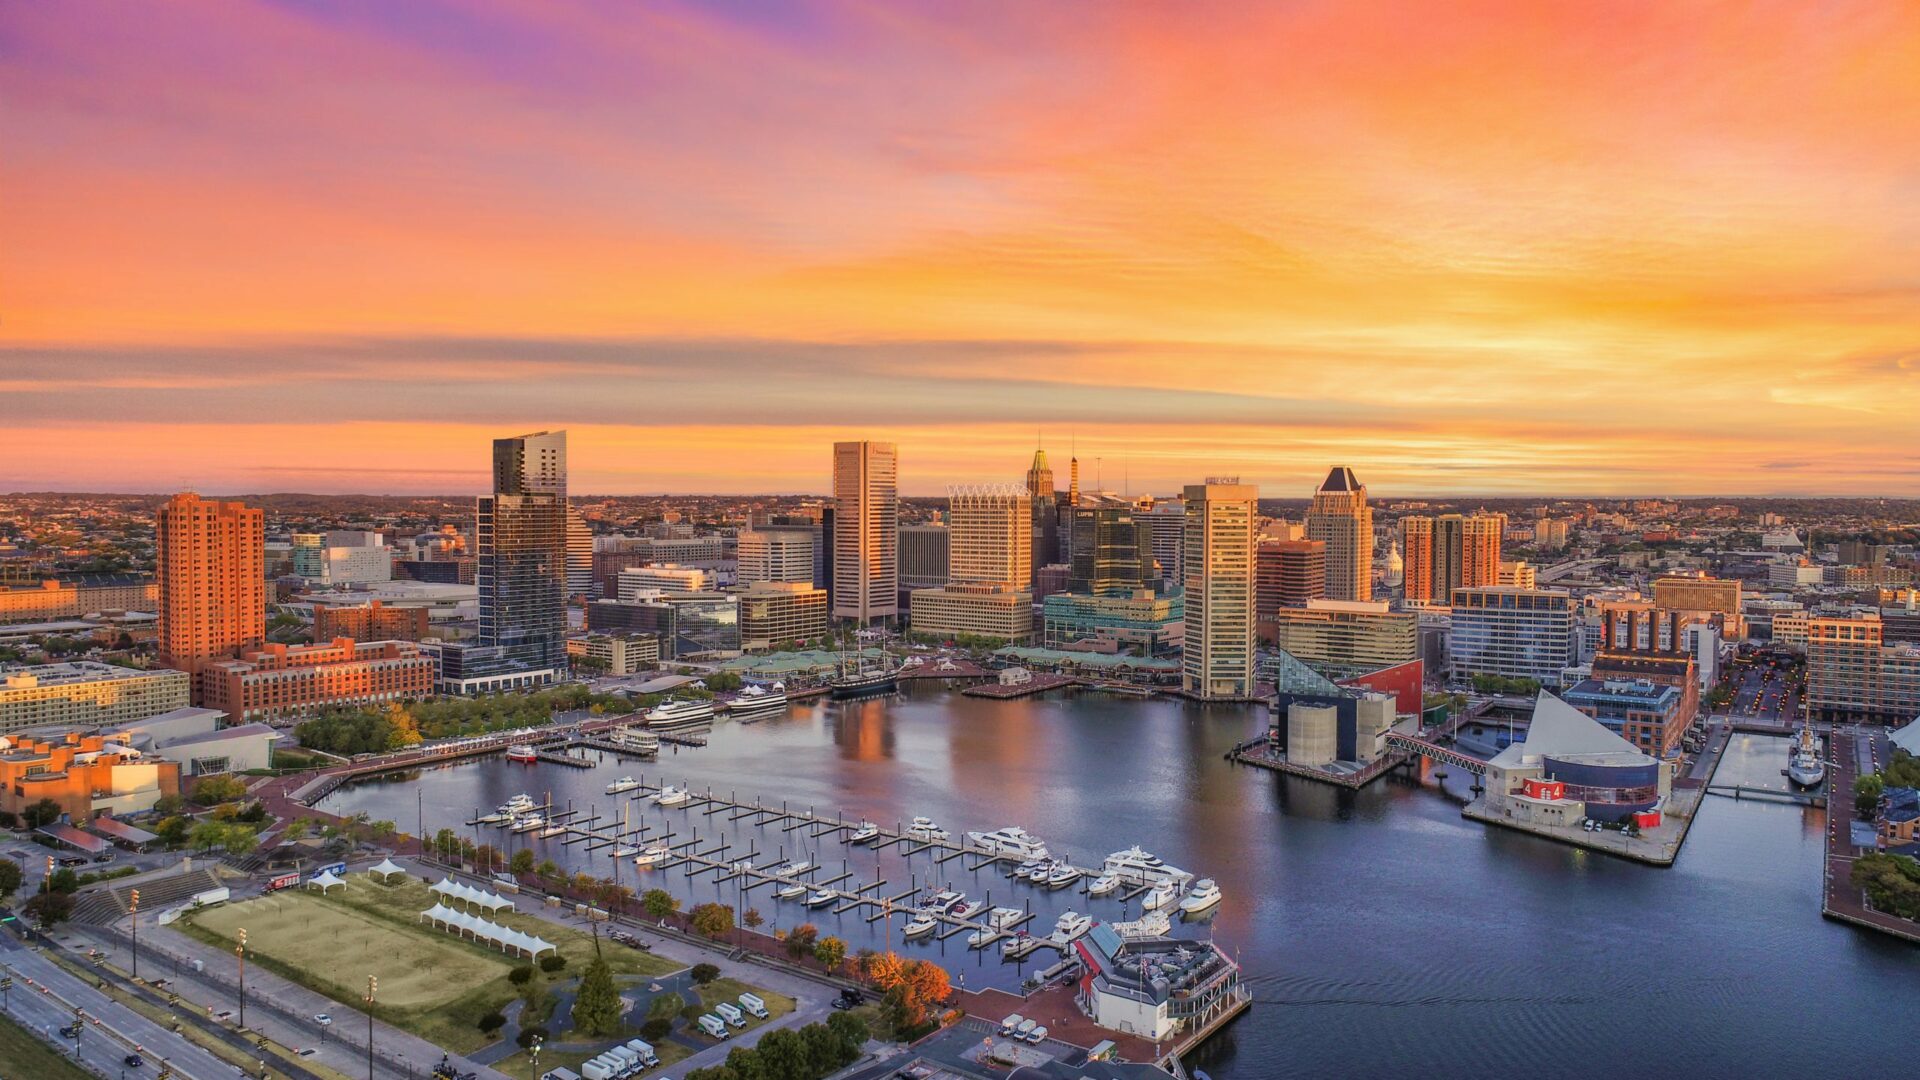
(133, 908)
(373, 984)
(240, 956)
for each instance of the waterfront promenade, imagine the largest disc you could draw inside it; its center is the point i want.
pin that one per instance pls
(1852, 753)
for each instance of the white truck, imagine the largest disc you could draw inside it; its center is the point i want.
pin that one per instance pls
(753, 1005)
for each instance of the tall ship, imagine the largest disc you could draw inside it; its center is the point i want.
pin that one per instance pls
(1805, 766)
(858, 675)
(758, 703)
(680, 712)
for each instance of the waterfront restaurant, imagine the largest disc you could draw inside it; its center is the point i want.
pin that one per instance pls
(1571, 767)
(1155, 988)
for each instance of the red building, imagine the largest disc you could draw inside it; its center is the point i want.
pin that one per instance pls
(290, 680)
(371, 621)
(1287, 573)
(1406, 682)
(210, 566)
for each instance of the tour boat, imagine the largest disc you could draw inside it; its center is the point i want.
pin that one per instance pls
(652, 855)
(1805, 767)
(672, 796)
(1161, 895)
(923, 828)
(1070, 925)
(625, 783)
(552, 830)
(920, 926)
(526, 823)
(1138, 867)
(822, 897)
(791, 892)
(1061, 875)
(964, 908)
(756, 702)
(867, 831)
(1012, 840)
(680, 712)
(1205, 894)
(1103, 885)
(636, 741)
(523, 753)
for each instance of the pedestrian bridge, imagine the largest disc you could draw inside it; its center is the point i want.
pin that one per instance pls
(1427, 748)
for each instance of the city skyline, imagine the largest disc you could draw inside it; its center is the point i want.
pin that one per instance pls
(1516, 250)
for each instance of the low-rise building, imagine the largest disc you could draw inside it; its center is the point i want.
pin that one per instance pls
(283, 681)
(86, 693)
(371, 621)
(83, 774)
(200, 740)
(622, 654)
(1154, 987)
(1346, 637)
(1645, 713)
(774, 613)
(1570, 767)
(73, 595)
(981, 609)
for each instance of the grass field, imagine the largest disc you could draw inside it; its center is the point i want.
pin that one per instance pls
(431, 982)
(23, 1057)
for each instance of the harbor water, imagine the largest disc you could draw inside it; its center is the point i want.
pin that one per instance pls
(1380, 932)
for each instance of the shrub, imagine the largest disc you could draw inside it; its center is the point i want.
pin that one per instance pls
(656, 1029)
(492, 1022)
(704, 973)
(521, 975)
(552, 962)
(529, 1034)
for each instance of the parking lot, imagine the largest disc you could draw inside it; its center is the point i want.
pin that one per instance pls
(1765, 689)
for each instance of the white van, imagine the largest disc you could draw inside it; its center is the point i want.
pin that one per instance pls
(714, 1026)
(1038, 1035)
(1021, 1029)
(1012, 1023)
(731, 1014)
(645, 1050)
(560, 1074)
(753, 1005)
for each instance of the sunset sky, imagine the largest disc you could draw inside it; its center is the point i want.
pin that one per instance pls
(1464, 247)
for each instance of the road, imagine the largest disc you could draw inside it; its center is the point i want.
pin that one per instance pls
(43, 999)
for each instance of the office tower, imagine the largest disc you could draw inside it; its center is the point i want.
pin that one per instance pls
(579, 555)
(1218, 650)
(1046, 515)
(1167, 522)
(1344, 638)
(775, 554)
(1340, 518)
(1416, 541)
(210, 563)
(926, 556)
(1287, 573)
(990, 530)
(1514, 633)
(1112, 551)
(866, 525)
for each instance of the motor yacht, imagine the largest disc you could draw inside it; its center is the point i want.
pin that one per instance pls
(519, 804)
(980, 939)
(1204, 896)
(1070, 925)
(1061, 876)
(526, 823)
(672, 796)
(791, 892)
(967, 909)
(625, 783)
(522, 753)
(1151, 925)
(680, 712)
(496, 817)
(1103, 885)
(919, 926)
(923, 828)
(867, 831)
(1012, 840)
(1003, 917)
(943, 900)
(1160, 896)
(1028, 869)
(652, 855)
(1139, 867)
(822, 897)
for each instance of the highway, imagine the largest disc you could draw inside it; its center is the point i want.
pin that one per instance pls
(43, 999)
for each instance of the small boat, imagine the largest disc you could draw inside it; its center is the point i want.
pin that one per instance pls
(792, 869)
(1205, 895)
(923, 828)
(967, 909)
(1002, 917)
(1160, 896)
(867, 831)
(791, 892)
(526, 823)
(625, 783)
(980, 939)
(653, 855)
(1061, 876)
(623, 851)
(1103, 885)
(1019, 945)
(552, 830)
(1027, 869)
(682, 712)
(1070, 925)
(497, 817)
(758, 702)
(522, 753)
(919, 926)
(1151, 925)
(822, 897)
(672, 796)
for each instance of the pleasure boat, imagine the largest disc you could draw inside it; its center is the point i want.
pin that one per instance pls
(1138, 867)
(791, 892)
(758, 702)
(1204, 896)
(1070, 925)
(625, 783)
(923, 828)
(980, 939)
(519, 804)
(624, 851)
(1805, 767)
(792, 869)
(867, 831)
(1002, 917)
(497, 817)
(672, 796)
(522, 753)
(1012, 840)
(822, 897)
(1028, 869)
(943, 900)
(964, 908)
(552, 830)
(1160, 896)
(680, 712)
(1103, 885)
(1061, 876)
(1151, 925)
(652, 855)
(526, 823)
(919, 926)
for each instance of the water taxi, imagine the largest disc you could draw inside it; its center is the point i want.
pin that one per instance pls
(625, 783)
(522, 753)
(1204, 896)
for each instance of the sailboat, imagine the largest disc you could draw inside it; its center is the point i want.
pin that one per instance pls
(853, 677)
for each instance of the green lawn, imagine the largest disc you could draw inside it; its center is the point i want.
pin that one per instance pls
(23, 1057)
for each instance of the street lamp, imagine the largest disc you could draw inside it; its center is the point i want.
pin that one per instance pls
(133, 908)
(373, 984)
(240, 956)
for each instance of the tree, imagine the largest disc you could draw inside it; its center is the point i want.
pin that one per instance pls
(851, 1029)
(64, 880)
(402, 730)
(547, 870)
(1866, 793)
(885, 970)
(43, 812)
(800, 940)
(552, 962)
(213, 790)
(521, 975)
(492, 1022)
(752, 919)
(596, 1009)
(702, 974)
(923, 986)
(830, 951)
(781, 1053)
(713, 920)
(666, 1006)
(381, 830)
(49, 908)
(522, 861)
(659, 903)
(10, 878)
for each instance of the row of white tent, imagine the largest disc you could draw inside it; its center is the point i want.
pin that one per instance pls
(506, 937)
(466, 894)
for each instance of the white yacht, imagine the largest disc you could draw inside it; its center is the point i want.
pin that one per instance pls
(980, 939)
(1003, 917)
(1160, 896)
(1151, 925)
(526, 823)
(822, 897)
(792, 869)
(1205, 894)
(758, 702)
(943, 900)
(964, 908)
(1137, 867)
(1028, 869)
(1061, 876)
(672, 796)
(519, 804)
(652, 855)
(1103, 885)
(867, 831)
(497, 817)
(1070, 925)
(680, 712)
(791, 892)
(552, 830)
(625, 783)
(919, 926)
(1012, 840)
(625, 851)
(1805, 768)
(923, 828)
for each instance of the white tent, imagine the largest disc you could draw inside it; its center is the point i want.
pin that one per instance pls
(387, 869)
(1908, 738)
(446, 887)
(325, 880)
(504, 937)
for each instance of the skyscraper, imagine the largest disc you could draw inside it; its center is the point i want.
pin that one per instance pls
(1046, 516)
(210, 565)
(1416, 541)
(1452, 551)
(1341, 519)
(1218, 650)
(1112, 551)
(579, 555)
(866, 524)
(990, 533)
(1287, 573)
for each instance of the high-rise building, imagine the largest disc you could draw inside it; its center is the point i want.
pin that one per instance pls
(1452, 551)
(1218, 640)
(866, 523)
(1111, 550)
(1340, 518)
(774, 614)
(1480, 536)
(1416, 541)
(1167, 522)
(1514, 633)
(1855, 676)
(990, 533)
(1287, 573)
(579, 555)
(775, 555)
(926, 556)
(210, 563)
(1045, 547)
